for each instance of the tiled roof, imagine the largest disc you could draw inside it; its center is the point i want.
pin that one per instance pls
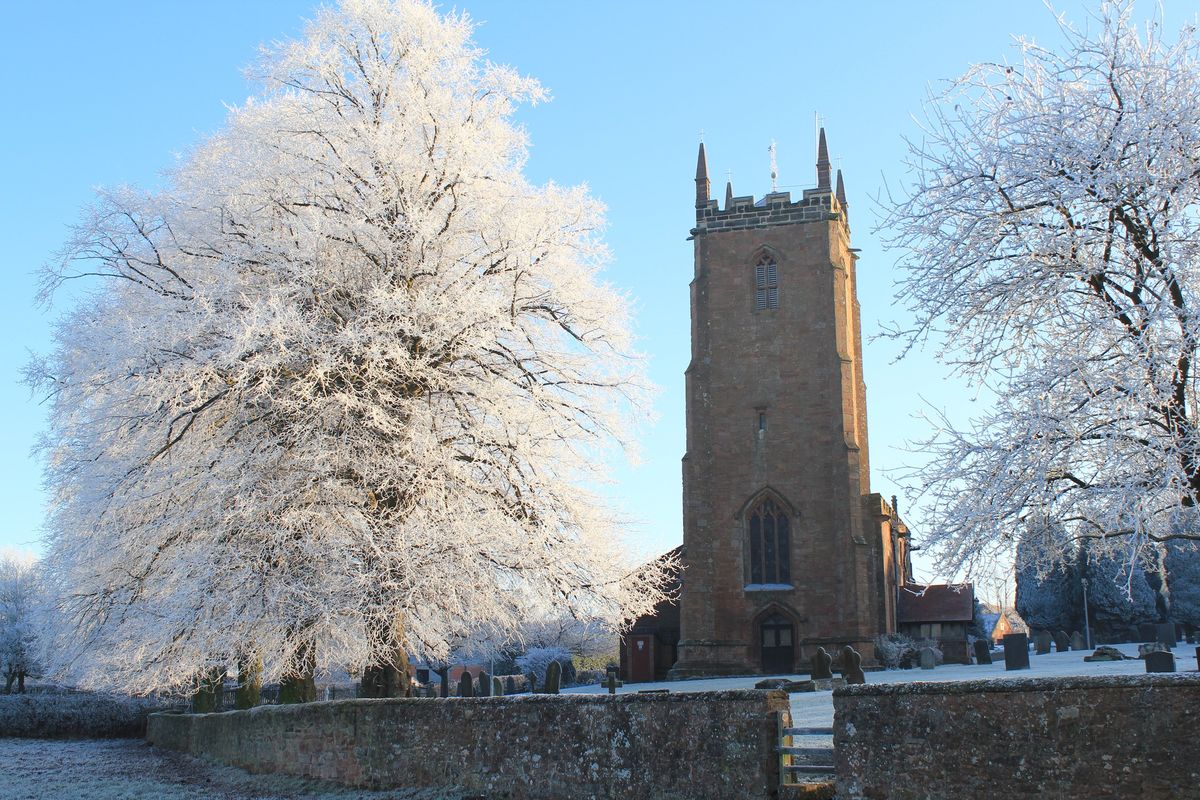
(938, 602)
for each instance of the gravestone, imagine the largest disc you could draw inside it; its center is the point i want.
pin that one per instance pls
(1016, 651)
(1189, 633)
(822, 664)
(485, 685)
(1146, 632)
(792, 687)
(1106, 653)
(1041, 643)
(1062, 642)
(1198, 659)
(612, 681)
(466, 685)
(1077, 641)
(928, 659)
(983, 651)
(553, 678)
(510, 685)
(852, 666)
(1160, 662)
(497, 687)
(1164, 633)
(1179, 633)
(532, 683)
(1152, 647)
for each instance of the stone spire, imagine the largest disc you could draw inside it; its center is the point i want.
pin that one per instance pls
(728, 195)
(822, 163)
(702, 185)
(841, 195)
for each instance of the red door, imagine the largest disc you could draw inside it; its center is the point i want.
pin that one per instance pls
(641, 658)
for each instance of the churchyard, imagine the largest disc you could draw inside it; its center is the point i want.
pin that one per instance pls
(328, 418)
(815, 709)
(102, 769)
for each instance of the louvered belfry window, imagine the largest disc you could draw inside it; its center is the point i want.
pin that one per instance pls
(766, 284)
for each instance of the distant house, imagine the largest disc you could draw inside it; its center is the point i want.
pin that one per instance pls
(942, 612)
(1008, 622)
(648, 650)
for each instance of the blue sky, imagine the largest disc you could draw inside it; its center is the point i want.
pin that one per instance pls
(109, 93)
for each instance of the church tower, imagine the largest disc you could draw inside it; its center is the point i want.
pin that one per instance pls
(785, 547)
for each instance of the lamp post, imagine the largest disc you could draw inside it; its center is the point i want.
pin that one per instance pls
(1087, 632)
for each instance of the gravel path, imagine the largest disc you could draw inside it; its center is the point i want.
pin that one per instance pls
(130, 769)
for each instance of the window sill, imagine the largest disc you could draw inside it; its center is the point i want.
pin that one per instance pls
(768, 587)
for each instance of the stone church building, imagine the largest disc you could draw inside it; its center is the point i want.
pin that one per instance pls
(785, 547)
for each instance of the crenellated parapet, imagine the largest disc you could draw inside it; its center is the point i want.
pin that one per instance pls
(776, 208)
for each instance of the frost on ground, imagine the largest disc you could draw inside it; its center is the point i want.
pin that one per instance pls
(815, 709)
(130, 769)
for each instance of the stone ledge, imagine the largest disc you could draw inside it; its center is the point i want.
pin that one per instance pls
(1031, 684)
(573, 699)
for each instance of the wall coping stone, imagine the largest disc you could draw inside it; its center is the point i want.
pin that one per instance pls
(1030, 684)
(726, 696)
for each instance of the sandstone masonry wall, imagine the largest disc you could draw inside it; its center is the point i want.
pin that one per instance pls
(776, 409)
(1053, 738)
(716, 745)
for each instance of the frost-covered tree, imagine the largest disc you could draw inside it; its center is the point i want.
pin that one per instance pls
(337, 387)
(1052, 230)
(1181, 565)
(1047, 597)
(578, 637)
(19, 598)
(1119, 597)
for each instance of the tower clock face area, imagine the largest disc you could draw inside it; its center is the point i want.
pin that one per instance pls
(782, 555)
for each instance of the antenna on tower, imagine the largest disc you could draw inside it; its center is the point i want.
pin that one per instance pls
(774, 167)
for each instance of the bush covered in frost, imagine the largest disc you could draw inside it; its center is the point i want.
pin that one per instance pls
(895, 650)
(537, 660)
(75, 716)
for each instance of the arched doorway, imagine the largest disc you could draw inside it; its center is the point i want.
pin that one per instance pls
(776, 639)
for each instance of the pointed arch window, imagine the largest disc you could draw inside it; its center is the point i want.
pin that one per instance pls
(770, 544)
(766, 283)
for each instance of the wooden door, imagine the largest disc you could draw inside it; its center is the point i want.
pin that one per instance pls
(641, 658)
(778, 650)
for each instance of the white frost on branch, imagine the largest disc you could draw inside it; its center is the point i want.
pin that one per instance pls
(342, 381)
(20, 618)
(1053, 245)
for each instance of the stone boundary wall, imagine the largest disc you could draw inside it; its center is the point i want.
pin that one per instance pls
(695, 746)
(1090, 737)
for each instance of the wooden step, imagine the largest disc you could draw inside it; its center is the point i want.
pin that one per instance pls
(825, 753)
(810, 769)
(808, 731)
